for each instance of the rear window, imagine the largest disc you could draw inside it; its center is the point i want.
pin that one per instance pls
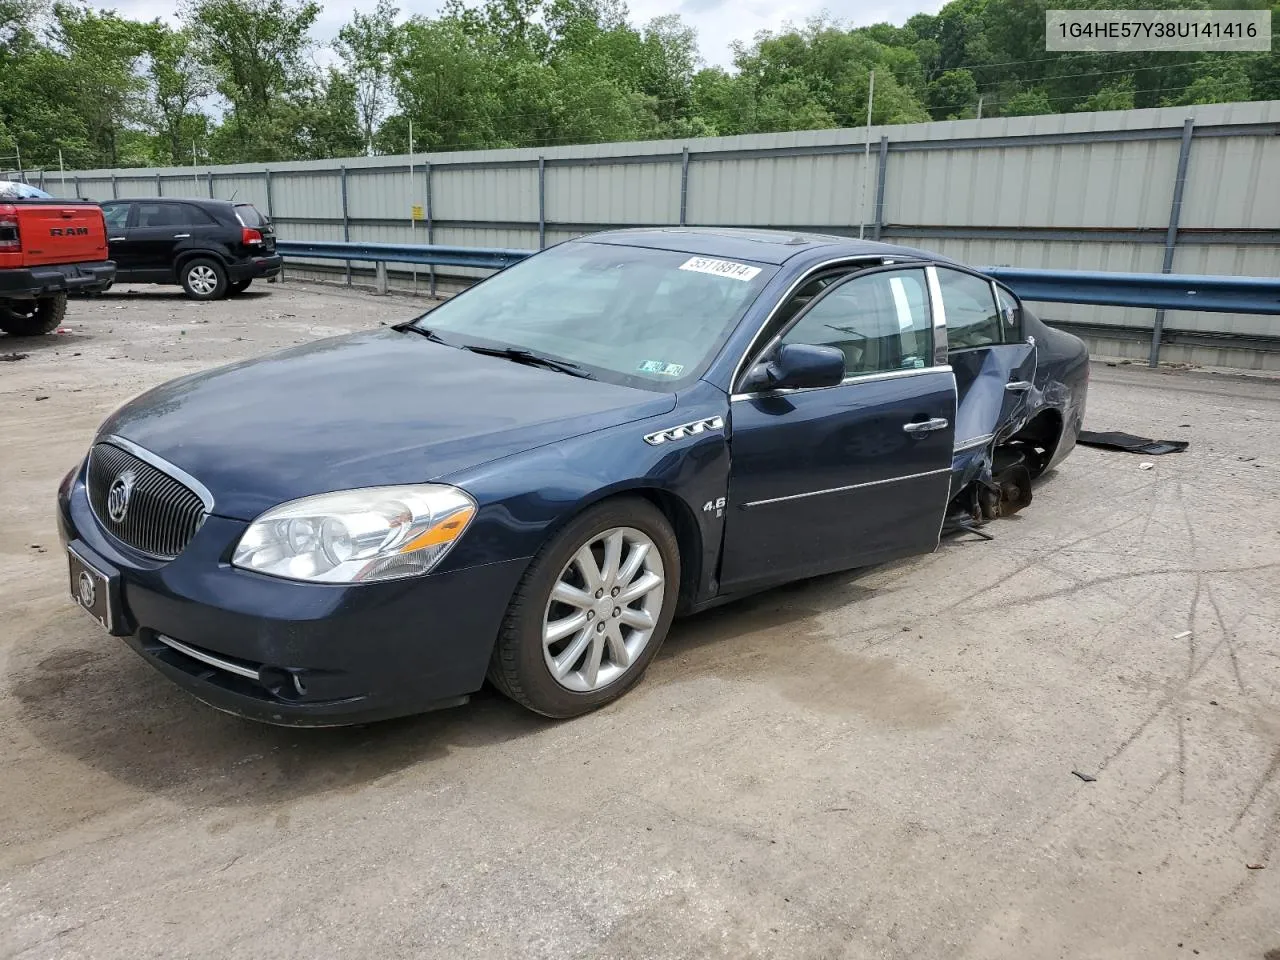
(250, 216)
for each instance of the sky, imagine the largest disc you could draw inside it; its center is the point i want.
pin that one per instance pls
(718, 22)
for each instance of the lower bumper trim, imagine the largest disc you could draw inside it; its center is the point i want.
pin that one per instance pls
(231, 666)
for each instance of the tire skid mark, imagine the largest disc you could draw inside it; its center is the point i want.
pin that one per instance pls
(1272, 769)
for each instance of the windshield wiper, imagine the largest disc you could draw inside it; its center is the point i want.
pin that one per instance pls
(411, 327)
(521, 355)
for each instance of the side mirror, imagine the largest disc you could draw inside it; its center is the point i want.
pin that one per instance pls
(796, 365)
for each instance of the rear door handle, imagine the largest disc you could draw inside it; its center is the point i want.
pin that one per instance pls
(115, 239)
(1018, 386)
(927, 426)
(182, 236)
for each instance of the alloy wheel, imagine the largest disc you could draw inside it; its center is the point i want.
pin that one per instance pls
(603, 609)
(202, 280)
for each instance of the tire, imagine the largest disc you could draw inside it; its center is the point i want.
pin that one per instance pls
(521, 667)
(45, 315)
(203, 278)
(240, 286)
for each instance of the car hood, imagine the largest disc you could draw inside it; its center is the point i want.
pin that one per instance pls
(362, 410)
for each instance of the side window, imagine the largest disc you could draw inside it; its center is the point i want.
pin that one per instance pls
(194, 217)
(879, 321)
(972, 320)
(161, 215)
(117, 216)
(1010, 315)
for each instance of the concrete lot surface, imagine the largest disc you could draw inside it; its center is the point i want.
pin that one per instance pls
(875, 764)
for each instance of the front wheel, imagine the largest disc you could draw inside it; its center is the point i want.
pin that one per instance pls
(31, 320)
(204, 279)
(591, 611)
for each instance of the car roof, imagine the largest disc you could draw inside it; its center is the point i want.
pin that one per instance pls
(764, 246)
(198, 201)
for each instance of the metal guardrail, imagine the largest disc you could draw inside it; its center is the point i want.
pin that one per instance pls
(1159, 291)
(484, 258)
(1156, 291)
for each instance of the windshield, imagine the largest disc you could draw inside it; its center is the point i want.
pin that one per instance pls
(631, 315)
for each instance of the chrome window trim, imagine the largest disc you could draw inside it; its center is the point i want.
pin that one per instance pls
(207, 658)
(164, 466)
(941, 347)
(856, 378)
(764, 324)
(972, 442)
(852, 486)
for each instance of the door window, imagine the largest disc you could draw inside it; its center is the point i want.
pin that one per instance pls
(1010, 315)
(170, 215)
(972, 320)
(879, 321)
(117, 216)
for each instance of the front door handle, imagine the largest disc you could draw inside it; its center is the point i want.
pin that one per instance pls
(182, 236)
(1018, 386)
(926, 426)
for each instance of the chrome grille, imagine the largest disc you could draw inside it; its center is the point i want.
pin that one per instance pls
(162, 514)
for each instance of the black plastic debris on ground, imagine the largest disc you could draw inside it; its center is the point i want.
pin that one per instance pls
(11, 357)
(1131, 444)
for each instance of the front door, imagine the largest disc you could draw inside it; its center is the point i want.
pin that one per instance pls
(837, 477)
(119, 249)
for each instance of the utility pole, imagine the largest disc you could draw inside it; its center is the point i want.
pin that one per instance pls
(866, 159)
(979, 107)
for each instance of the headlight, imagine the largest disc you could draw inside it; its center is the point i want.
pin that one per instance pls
(378, 533)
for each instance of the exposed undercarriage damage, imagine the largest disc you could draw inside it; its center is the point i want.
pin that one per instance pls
(1001, 484)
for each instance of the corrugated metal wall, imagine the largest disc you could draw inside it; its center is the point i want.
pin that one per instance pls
(1087, 191)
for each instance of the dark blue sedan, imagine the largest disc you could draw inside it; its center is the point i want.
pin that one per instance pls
(528, 483)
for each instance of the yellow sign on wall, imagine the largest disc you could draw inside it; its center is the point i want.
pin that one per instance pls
(417, 212)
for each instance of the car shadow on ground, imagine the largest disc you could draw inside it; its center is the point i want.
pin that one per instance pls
(48, 343)
(164, 292)
(89, 698)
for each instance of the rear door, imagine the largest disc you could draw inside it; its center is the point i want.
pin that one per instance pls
(837, 477)
(160, 228)
(993, 363)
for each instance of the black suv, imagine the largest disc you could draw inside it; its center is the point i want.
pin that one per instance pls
(214, 248)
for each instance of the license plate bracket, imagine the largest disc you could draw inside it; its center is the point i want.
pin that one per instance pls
(95, 588)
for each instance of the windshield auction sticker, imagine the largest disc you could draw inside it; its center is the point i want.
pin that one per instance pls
(1107, 31)
(720, 268)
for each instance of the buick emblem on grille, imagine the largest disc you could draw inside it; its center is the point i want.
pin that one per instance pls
(118, 496)
(87, 590)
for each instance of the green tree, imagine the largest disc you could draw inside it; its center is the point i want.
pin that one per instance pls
(1027, 103)
(367, 46)
(952, 94)
(101, 55)
(176, 84)
(1114, 96)
(255, 50)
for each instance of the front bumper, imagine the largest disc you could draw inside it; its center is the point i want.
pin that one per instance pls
(256, 267)
(28, 283)
(314, 654)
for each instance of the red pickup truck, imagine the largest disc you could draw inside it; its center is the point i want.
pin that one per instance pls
(48, 248)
